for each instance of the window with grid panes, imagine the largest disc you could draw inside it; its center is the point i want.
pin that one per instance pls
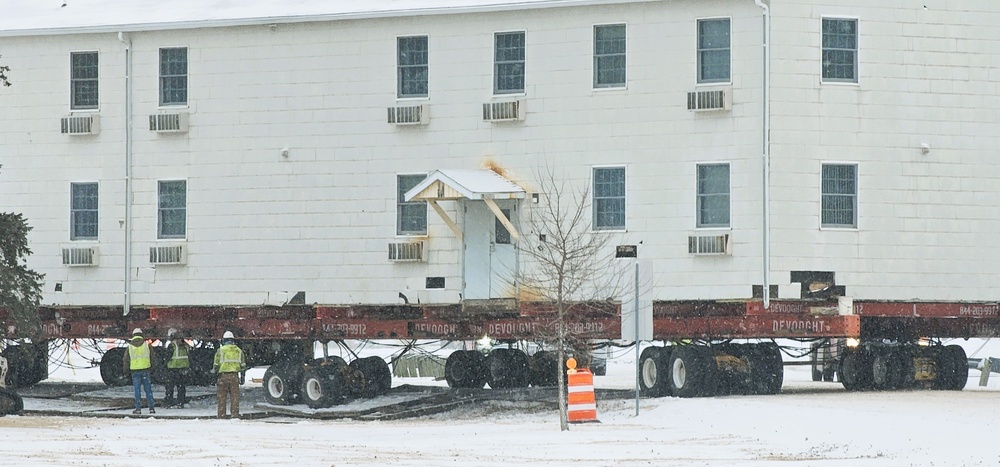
(609, 56)
(713, 51)
(713, 195)
(508, 65)
(609, 198)
(83, 81)
(172, 209)
(173, 76)
(411, 217)
(840, 50)
(83, 211)
(411, 60)
(840, 195)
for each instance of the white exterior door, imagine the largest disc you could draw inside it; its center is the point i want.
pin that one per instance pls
(490, 252)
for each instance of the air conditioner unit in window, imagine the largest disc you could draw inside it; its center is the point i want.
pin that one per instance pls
(503, 111)
(408, 251)
(710, 100)
(409, 115)
(175, 254)
(79, 256)
(169, 122)
(80, 125)
(710, 244)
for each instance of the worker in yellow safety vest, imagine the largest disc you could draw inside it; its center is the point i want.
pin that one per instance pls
(230, 362)
(178, 369)
(139, 361)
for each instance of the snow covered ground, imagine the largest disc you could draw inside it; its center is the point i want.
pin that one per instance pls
(808, 424)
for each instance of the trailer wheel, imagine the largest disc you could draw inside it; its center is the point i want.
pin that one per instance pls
(112, 372)
(885, 373)
(377, 379)
(767, 370)
(10, 402)
(693, 371)
(953, 368)
(28, 364)
(507, 368)
(465, 369)
(277, 389)
(323, 386)
(543, 368)
(282, 382)
(855, 371)
(653, 374)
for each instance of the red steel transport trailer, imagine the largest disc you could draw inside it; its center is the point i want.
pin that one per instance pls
(712, 347)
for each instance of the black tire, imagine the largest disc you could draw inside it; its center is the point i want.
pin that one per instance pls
(654, 377)
(377, 379)
(953, 368)
(907, 371)
(277, 391)
(767, 370)
(817, 365)
(507, 368)
(10, 402)
(332, 360)
(465, 369)
(544, 368)
(27, 364)
(324, 386)
(693, 371)
(885, 369)
(855, 370)
(112, 371)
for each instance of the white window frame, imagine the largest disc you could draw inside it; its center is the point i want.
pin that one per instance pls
(497, 64)
(160, 210)
(73, 211)
(598, 56)
(594, 199)
(74, 80)
(163, 78)
(400, 67)
(699, 51)
(853, 196)
(857, 51)
(400, 204)
(701, 197)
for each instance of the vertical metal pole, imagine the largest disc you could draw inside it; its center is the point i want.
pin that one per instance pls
(127, 41)
(636, 317)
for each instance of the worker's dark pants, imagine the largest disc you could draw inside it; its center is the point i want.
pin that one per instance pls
(176, 377)
(140, 380)
(228, 387)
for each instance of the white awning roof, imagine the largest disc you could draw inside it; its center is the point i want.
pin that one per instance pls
(468, 184)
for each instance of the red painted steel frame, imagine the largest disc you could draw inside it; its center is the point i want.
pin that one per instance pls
(671, 320)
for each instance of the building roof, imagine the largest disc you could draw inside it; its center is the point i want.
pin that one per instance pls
(471, 184)
(42, 17)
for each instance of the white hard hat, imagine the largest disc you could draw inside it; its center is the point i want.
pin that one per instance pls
(137, 332)
(228, 335)
(171, 332)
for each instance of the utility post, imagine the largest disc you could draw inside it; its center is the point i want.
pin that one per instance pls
(635, 325)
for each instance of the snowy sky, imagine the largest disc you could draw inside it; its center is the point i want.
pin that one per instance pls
(23, 15)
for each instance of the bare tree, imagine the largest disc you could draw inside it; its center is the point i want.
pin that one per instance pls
(570, 267)
(20, 287)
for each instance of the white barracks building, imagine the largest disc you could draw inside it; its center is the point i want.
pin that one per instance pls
(210, 153)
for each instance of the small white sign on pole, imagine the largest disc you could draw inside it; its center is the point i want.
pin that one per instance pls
(641, 289)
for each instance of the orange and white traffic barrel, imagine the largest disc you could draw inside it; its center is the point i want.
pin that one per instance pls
(582, 404)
